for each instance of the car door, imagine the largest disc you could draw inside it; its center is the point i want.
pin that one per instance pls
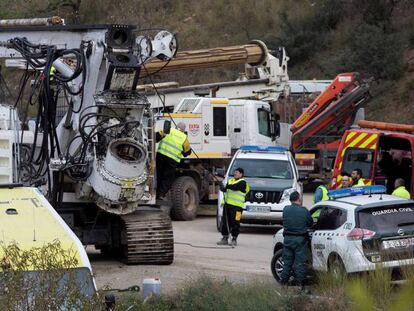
(326, 235)
(318, 242)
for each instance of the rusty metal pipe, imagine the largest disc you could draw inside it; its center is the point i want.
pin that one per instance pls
(54, 20)
(395, 127)
(253, 54)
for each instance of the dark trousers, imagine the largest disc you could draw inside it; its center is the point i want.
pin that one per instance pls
(165, 173)
(232, 218)
(295, 251)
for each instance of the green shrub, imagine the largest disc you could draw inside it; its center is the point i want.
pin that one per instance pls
(44, 278)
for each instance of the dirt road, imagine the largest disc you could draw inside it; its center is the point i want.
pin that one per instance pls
(250, 260)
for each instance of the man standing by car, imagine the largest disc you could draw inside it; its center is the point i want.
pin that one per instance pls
(400, 190)
(234, 197)
(357, 178)
(296, 222)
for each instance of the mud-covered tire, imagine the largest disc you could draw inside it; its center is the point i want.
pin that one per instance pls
(276, 265)
(185, 198)
(336, 266)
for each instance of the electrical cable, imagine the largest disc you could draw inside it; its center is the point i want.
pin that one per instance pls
(41, 58)
(201, 246)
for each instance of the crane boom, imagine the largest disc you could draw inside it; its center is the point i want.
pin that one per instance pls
(253, 54)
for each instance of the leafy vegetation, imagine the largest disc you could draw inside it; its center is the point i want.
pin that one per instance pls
(44, 278)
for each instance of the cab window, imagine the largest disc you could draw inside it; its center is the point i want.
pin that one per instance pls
(330, 218)
(219, 121)
(263, 122)
(359, 158)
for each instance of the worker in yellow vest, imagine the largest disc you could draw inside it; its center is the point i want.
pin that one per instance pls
(173, 146)
(235, 192)
(400, 190)
(357, 178)
(321, 194)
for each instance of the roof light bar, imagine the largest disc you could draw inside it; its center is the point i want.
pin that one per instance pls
(348, 192)
(263, 148)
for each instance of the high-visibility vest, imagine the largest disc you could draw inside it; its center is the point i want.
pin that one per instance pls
(401, 192)
(360, 183)
(172, 144)
(325, 196)
(52, 72)
(236, 197)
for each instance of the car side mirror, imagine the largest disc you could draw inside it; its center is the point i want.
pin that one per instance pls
(221, 172)
(274, 126)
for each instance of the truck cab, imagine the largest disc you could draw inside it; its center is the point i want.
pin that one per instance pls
(251, 122)
(218, 126)
(382, 156)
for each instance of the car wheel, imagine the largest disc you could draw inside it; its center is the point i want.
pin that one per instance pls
(277, 265)
(336, 266)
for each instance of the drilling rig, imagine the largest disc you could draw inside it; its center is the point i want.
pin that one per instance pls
(96, 163)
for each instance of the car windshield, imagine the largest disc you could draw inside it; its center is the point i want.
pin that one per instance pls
(358, 158)
(387, 218)
(263, 168)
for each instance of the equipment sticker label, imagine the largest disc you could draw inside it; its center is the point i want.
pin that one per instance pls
(194, 129)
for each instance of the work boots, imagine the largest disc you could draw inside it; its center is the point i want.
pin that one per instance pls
(223, 241)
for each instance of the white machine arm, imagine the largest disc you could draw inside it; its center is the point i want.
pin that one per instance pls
(105, 142)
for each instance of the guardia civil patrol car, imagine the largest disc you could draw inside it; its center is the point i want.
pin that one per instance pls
(272, 176)
(355, 231)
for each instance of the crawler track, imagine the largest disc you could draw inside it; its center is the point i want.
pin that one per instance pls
(148, 238)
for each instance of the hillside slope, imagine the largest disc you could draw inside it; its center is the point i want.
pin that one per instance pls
(322, 37)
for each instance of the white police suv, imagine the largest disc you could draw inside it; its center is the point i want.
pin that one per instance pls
(272, 176)
(354, 231)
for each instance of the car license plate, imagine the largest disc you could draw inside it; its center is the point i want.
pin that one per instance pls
(258, 209)
(400, 243)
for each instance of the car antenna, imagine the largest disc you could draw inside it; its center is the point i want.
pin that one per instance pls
(370, 193)
(380, 196)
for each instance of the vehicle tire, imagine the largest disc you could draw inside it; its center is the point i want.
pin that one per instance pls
(276, 265)
(185, 198)
(336, 266)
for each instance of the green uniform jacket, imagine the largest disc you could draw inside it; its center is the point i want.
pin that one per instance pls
(296, 220)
